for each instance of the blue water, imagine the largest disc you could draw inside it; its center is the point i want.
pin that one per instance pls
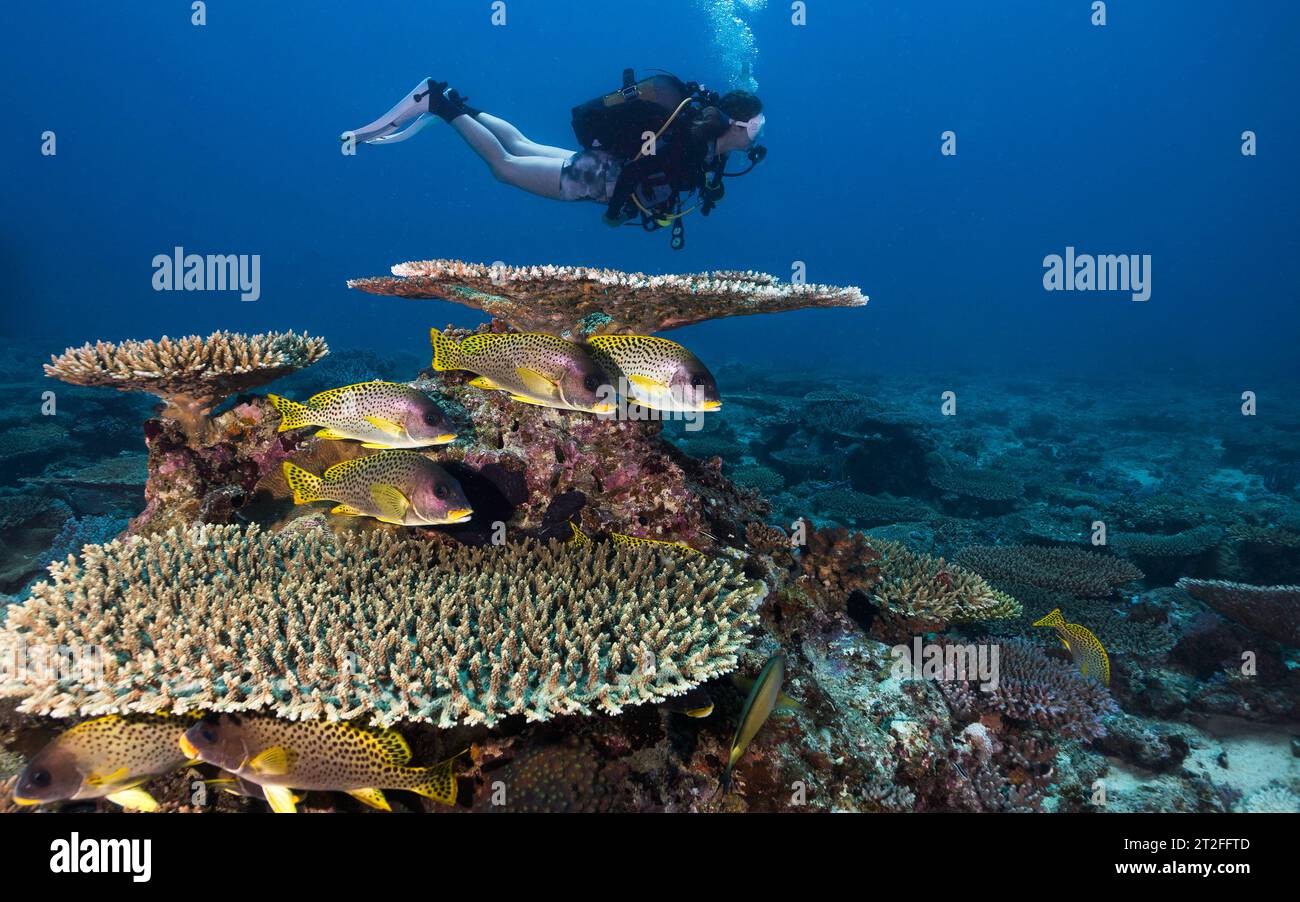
(1115, 139)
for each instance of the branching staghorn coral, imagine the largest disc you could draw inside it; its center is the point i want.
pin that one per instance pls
(191, 374)
(1035, 689)
(1074, 571)
(367, 625)
(918, 593)
(1272, 611)
(577, 301)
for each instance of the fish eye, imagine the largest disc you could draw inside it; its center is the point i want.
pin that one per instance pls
(440, 490)
(40, 778)
(591, 383)
(207, 734)
(432, 417)
(697, 380)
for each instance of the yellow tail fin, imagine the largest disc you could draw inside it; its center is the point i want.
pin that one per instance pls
(438, 783)
(306, 487)
(292, 414)
(446, 352)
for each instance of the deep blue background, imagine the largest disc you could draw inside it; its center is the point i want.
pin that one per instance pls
(1122, 139)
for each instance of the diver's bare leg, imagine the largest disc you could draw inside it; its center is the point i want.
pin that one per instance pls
(513, 140)
(535, 174)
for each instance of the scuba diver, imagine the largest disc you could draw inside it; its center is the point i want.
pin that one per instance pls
(646, 147)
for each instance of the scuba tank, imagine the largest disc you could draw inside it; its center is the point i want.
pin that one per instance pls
(617, 121)
(623, 121)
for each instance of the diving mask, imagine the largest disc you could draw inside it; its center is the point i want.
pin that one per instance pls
(753, 127)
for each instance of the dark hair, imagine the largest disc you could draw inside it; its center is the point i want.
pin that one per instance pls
(741, 105)
(737, 106)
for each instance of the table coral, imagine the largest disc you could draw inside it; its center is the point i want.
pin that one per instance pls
(191, 374)
(1075, 571)
(372, 626)
(984, 485)
(1272, 611)
(576, 301)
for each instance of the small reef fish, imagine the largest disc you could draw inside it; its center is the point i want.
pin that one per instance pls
(401, 487)
(661, 374)
(581, 538)
(532, 367)
(109, 758)
(695, 703)
(378, 414)
(1084, 647)
(283, 755)
(239, 786)
(762, 700)
(784, 703)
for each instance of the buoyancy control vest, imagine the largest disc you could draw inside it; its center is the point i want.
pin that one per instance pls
(650, 125)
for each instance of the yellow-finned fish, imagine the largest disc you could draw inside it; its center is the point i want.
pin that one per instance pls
(239, 786)
(401, 487)
(378, 414)
(109, 758)
(532, 367)
(694, 703)
(661, 374)
(331, 756)
(581, 538)
(1085, 648)
(762, 700)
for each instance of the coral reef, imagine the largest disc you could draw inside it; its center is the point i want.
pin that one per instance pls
(190, 374)
(1272, 611)
(574, 302)
(985, 485)
(917, 593)
(561, 777)
(949, 537)
(1075, 571)
(1035, 689)
(367, 625)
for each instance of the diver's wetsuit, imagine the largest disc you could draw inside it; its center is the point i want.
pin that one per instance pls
(599, 175)
(594, 174)
(590, 175)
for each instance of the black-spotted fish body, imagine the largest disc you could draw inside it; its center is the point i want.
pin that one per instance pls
(107, 757)
(581, 538)
(1084, 647)
(762, 701)
(532, 367)
(283, 755)
(400, 487)
(661, 374)
(379, 414)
